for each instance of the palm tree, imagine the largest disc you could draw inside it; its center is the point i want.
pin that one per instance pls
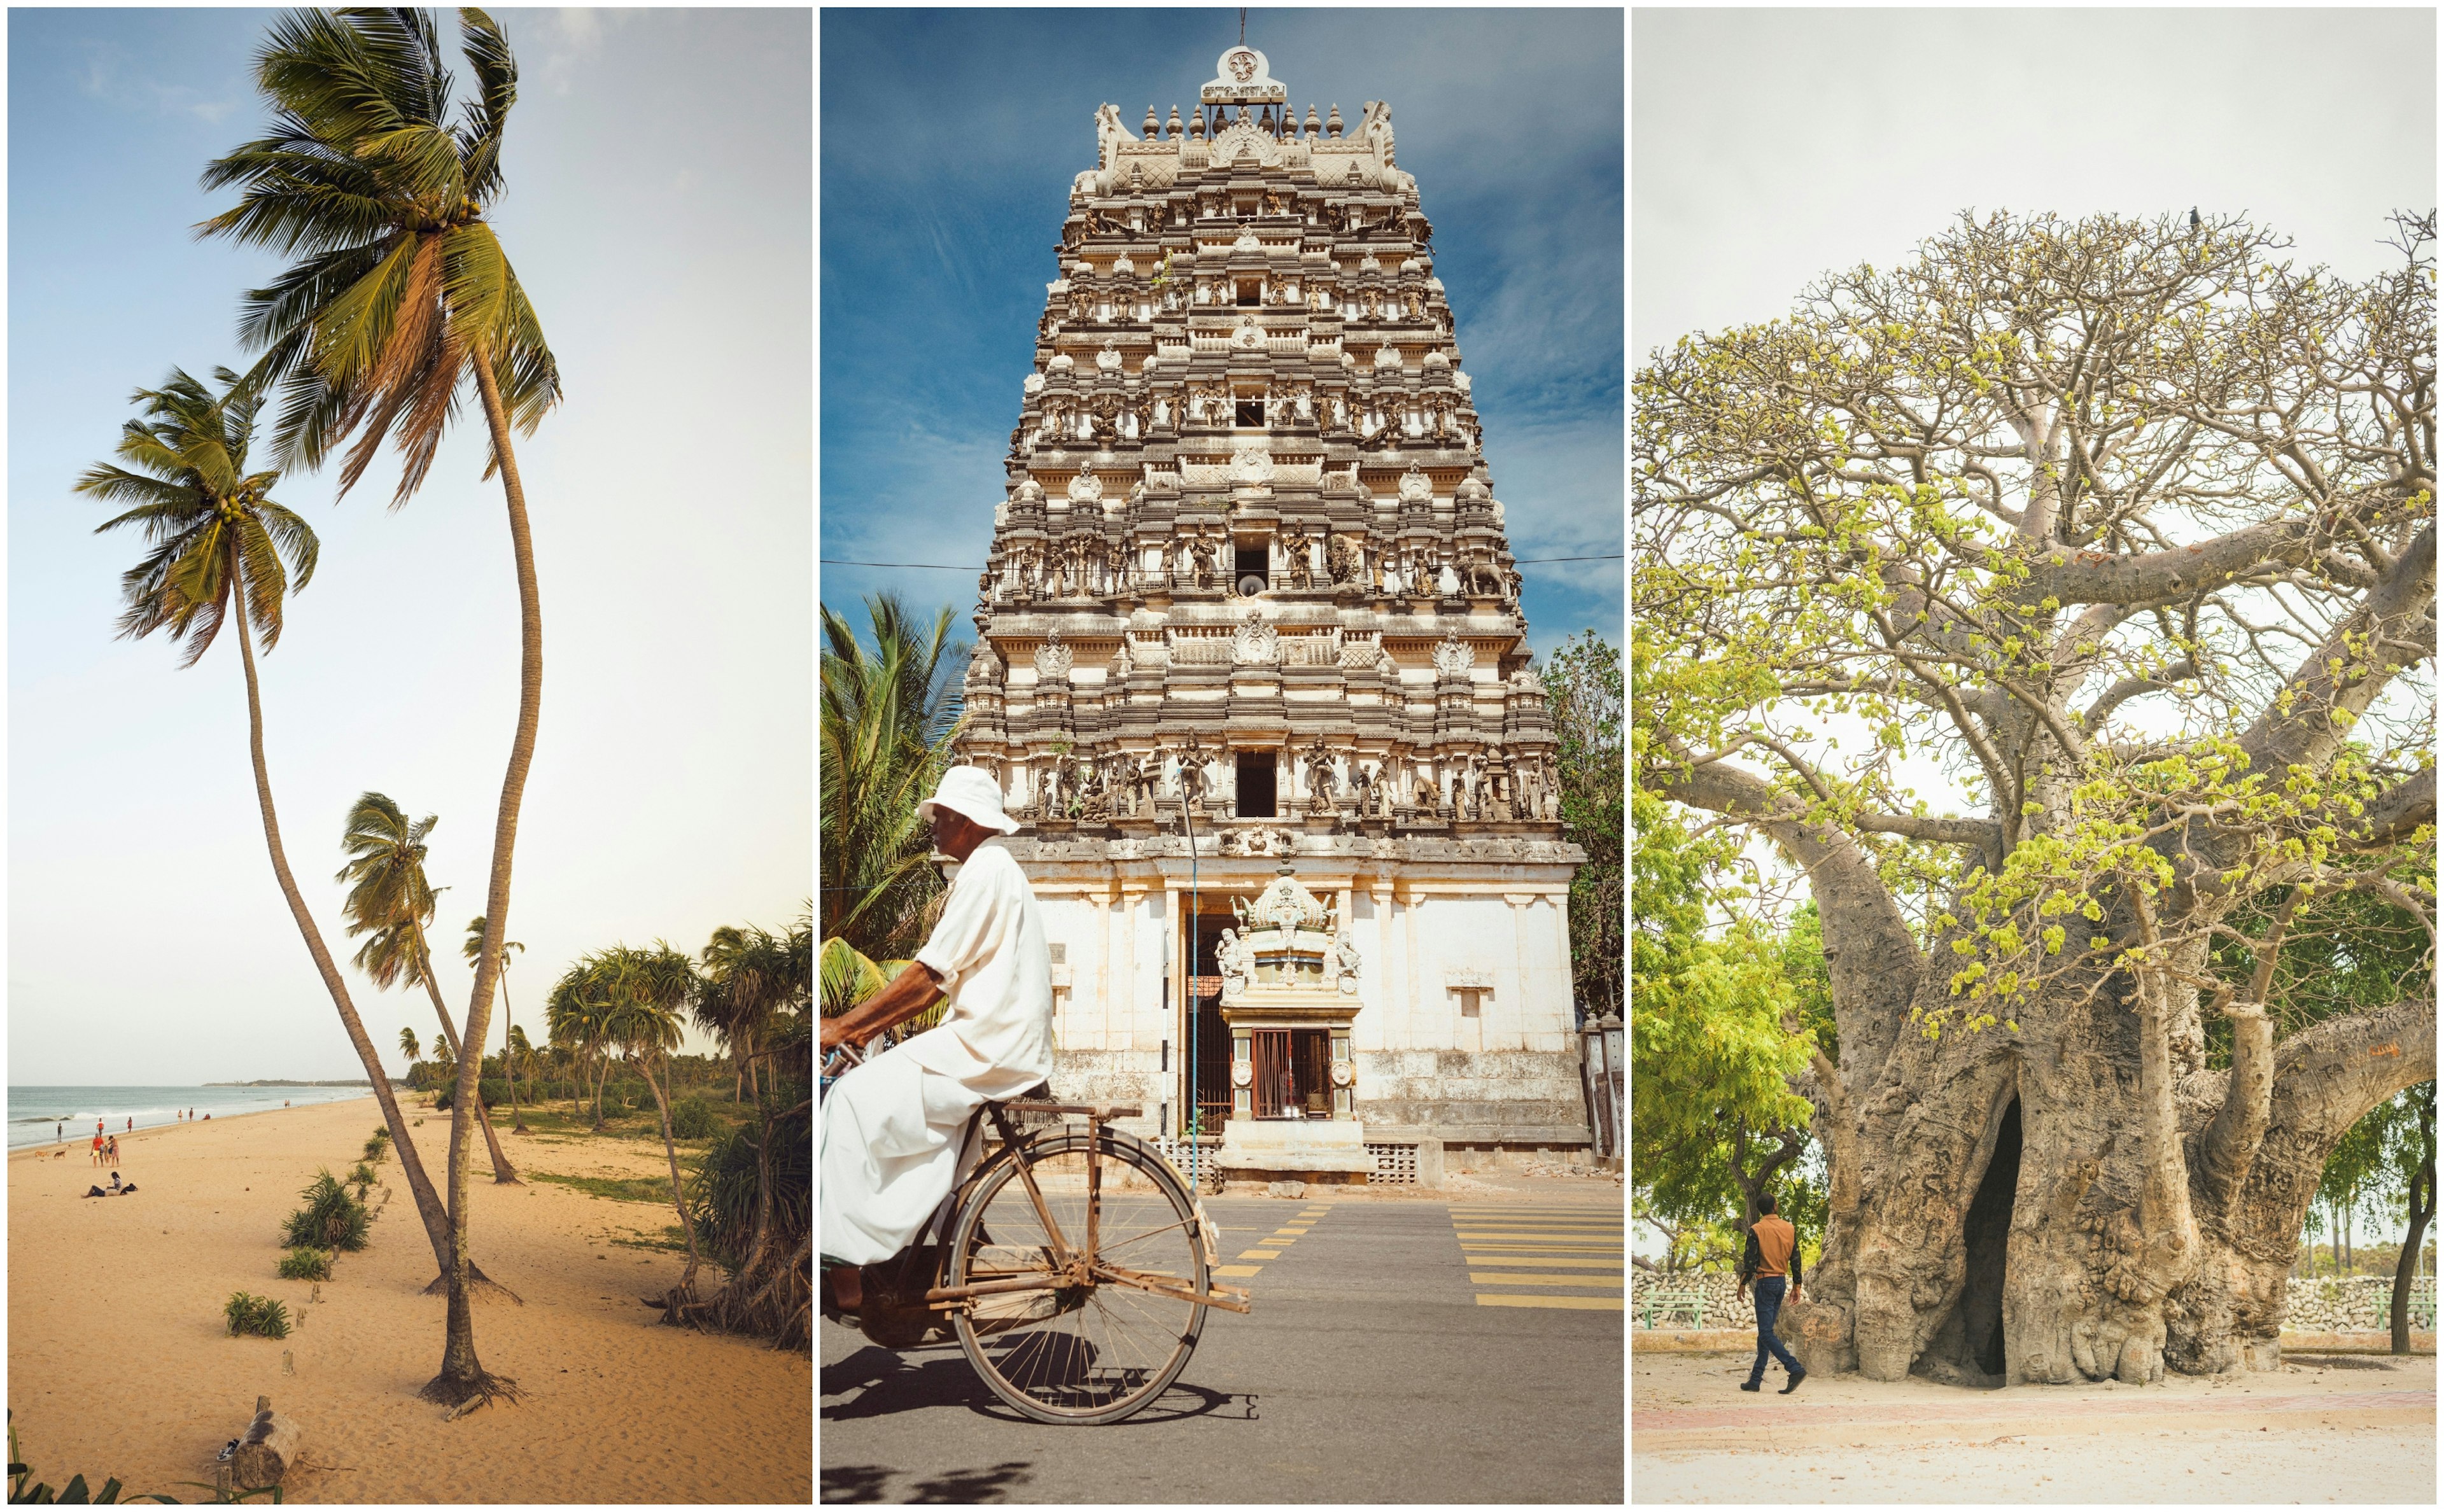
(401, 297)
(520, 1055)
(888, 715)
(219, 543)
(747, 977)
(390, 899)
(575, 1014)
(473, 947)
(408, 1042)
(646, 989)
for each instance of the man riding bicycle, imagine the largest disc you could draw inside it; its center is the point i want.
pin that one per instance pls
(893, 1129)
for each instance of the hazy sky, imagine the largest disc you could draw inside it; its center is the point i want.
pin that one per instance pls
(1771, 146)
(659, 170)
(951, 136)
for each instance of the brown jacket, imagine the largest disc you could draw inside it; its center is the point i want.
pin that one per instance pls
(1773, 1250)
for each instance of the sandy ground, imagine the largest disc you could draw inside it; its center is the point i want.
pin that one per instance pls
(2332, 1429)
(120, 1363)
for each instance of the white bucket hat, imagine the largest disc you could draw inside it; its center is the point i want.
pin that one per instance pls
(969, 792)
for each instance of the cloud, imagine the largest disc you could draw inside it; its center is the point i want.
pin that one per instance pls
(106, 76)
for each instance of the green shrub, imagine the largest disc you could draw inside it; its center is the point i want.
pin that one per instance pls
(330, 1220)
(378, 1146)
(306, 1264)
(692, 1118)
(493, 1090)
(360, 1177)
(249, 1313)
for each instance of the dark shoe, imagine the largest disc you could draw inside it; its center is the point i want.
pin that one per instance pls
(1750, 1386)
(1794, 1384)
(830, 1304)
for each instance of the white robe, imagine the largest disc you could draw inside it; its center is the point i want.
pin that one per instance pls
(892, 1129)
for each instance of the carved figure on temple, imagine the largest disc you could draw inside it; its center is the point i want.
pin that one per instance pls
(1319, 780)
(1235, 959)
(1255, 643)
(1202, 549)
(1428, 802)
(1345, 962)
(1144, 779)
(1340, 561)
(1192, 763)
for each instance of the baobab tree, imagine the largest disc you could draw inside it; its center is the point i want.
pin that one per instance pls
(2129, 526)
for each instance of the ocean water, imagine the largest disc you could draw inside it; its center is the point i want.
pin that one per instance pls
(36, 1113)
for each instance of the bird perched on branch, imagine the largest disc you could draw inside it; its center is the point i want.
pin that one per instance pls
(2194, 217)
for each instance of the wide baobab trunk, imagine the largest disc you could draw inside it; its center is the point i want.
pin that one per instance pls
(2070, 1202)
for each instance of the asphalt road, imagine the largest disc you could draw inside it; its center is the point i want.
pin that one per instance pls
(1371, 1369)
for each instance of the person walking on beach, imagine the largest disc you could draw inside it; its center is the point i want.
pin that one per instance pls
(1772, 1252)
(97, 1149)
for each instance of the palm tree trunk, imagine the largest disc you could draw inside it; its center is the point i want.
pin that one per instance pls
(428, 1202)
(460, 1372)
(670, 1148)
(602, 1074)
(509, 1058)
(502, 1171)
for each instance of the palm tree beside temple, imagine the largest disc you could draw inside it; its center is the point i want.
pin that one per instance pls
(402, 296)
(888, 715)
(390, 899)
(470, 949)
(221, 551)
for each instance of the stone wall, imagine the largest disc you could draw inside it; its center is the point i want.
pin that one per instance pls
(2352, 1304)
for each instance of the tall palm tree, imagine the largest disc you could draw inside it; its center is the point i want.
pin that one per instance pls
(520, 1054)
(888, 715)
(401, 298)
(473, 947)
(390, 900)
(646, 989)
(221, 546)
(747, 979)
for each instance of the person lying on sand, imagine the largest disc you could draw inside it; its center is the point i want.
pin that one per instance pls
(95, 1191)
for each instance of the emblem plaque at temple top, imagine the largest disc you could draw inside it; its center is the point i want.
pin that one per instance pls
(1250, 592)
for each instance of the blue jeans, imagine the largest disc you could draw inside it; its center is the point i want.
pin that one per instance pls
(1769, 1291)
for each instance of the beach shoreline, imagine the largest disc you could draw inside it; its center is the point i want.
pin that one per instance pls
(120, 1364)
(75, 1143)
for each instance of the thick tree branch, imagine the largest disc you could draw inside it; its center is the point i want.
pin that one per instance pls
(1873, 958)
(2345, 674)
(2329, 1075)
(2230, 1145)
(2394, 814)
(1978, 832)
(2169, 577)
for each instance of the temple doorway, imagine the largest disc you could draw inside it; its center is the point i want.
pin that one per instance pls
(1205, 1039)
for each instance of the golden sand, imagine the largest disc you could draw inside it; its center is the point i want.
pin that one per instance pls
(120, 1363)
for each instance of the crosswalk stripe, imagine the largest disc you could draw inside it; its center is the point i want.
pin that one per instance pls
(1600, 1303)
(1260, 1254)
(1505, 1278)
(1544, 1261)
(1548, 1241)
(1236, 1270)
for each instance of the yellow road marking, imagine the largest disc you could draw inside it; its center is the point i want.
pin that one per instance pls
(1260, 1254)
(1549, 1241)
(1236, 1270)
(1500, 1279)
(1544, 1261)
(1599, 1303)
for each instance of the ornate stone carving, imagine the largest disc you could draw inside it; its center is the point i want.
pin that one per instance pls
(1031, 385)
(1237, 961)
(1107, 360)
(1453, 655)
(1053, 659)
(1255, 643)
(1344, 966)
(1085, 489)
(1251, 466)
(1415, 487)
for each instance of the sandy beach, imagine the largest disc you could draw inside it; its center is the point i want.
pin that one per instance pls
(120, 1363)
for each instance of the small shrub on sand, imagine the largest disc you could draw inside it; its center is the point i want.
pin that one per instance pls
(330, 1220)
(693, 1118)
(360, 1177)
(378, 1146)
(249, 1313)
(305, 1262)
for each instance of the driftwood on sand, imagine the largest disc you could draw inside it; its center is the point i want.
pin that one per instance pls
(269, 1447)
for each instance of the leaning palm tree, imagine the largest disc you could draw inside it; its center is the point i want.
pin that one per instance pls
(390, 900)
(574, 1013)
(220, 547)
(473, 947)
(888, 716)
(646, 989)
(400, 299)
(521, 1056)
(747, 977)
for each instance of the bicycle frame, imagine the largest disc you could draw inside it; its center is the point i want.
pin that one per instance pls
(1073, 1266)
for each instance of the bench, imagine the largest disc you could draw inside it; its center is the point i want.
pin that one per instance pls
(1691, 1305)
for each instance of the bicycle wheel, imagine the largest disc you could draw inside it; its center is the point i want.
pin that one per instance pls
(1089, 1353)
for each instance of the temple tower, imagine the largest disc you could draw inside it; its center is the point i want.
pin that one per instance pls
(1250, 590)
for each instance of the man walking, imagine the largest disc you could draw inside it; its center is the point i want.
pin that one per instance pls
(1772, 1252)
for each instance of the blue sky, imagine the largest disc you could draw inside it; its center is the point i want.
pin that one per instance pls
(659, 168)
(949, 141)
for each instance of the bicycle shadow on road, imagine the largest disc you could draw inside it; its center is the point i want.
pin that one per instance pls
(888, 1383)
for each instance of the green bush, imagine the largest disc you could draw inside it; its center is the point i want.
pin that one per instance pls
(330, 1220)
(378, 1146)
(249, 1313)
(493, 1090)
(692, 1118)
(362, 1177)
(306, 1264)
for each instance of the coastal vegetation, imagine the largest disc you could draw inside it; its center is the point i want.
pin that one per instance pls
(888, 714)
(470, 949)
(390, 901)
(402, 296)
(330, 1220)
(265, 1316)
(306, 1263)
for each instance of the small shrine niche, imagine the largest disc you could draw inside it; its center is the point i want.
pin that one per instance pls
(1290, 993)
